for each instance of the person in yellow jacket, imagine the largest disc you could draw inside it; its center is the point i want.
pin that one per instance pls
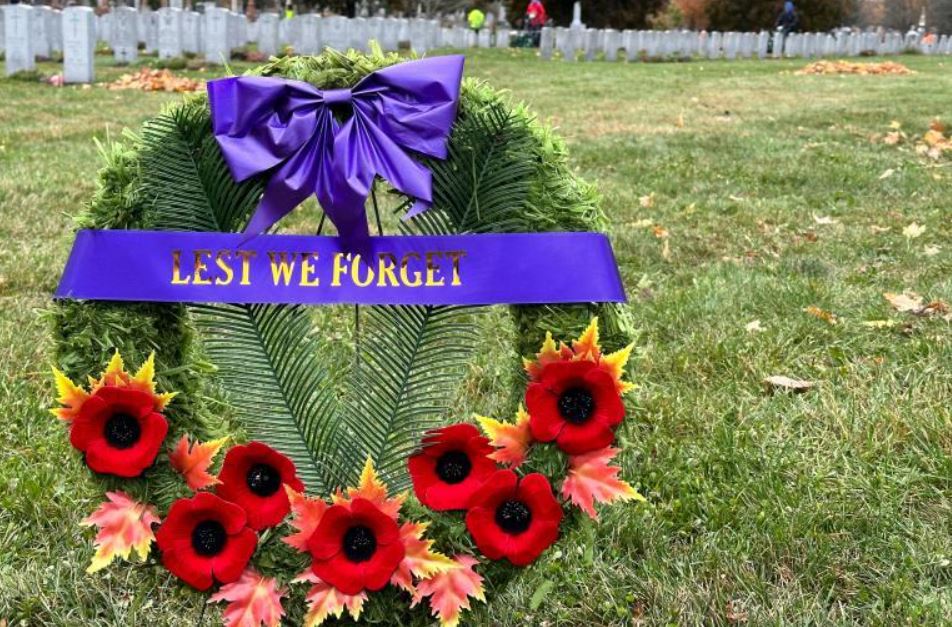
(476, 19)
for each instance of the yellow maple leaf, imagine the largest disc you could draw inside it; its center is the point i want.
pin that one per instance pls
(70, 396)
(124, 525)
(511, 440)
(324, 601)
(373, 489)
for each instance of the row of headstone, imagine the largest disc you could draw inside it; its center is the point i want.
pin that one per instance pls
(590, 43)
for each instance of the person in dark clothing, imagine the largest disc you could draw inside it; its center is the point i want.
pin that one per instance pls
(789, 20)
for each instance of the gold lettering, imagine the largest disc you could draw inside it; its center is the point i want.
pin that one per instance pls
(355, 272)
(200, 267)
(432, 268)
(456, 255)
(386, 264)
(222, 263)
(246, 257)
(308, 269)
(339, 268)
(404, 263)
(281, 270)
(177, 278)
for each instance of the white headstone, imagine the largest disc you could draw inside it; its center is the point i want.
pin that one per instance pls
(778, 44)
(41, 36)
(483, 38)
(502, 36)
(125, 35)
(360, 34)
(763, 42)
(592, 43)
(191, 32)
(310, 36)
(217, 49)
(170, 33)
(268, 33)
(79, 44)
(390, 37)
(336, 33)
(176, 4)
(546, 42)
(54, 26)
(18, 38)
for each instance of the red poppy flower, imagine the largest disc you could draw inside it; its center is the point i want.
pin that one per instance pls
(576, 404)
(453, 464)
(356, 547)
(119, 431)
(514, 518)
(206, 539)
(253, 477)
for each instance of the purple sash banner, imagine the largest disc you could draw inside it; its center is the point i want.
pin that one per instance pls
(193, 267)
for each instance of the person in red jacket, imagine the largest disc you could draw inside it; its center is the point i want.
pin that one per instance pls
(535, 20)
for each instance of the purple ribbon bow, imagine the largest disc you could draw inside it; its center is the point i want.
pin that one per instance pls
(263, 123)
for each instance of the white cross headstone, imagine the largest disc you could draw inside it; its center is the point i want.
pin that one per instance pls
(79, 44)
(268, 33)
(217, 49)
(170, 32)
(18, 38)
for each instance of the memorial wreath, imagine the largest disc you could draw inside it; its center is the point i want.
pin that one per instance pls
(257, 464)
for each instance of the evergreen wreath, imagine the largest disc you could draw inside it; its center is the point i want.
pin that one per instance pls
(260, 374)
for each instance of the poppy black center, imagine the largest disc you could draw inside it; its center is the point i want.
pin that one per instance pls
(263, 479)
(453, 466)
(208, 537)
(359, 543)
(576, 405)
(122, 430)
(513, 516)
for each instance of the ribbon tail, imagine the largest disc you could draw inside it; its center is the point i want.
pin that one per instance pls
(418, 207)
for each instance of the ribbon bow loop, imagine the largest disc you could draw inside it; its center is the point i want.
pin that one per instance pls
(264, 124)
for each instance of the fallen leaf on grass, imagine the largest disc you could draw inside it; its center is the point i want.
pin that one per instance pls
(824, 219)
(928, 251)
(910, 302)
(824, 315)
(892, 138)
(886, 174)
(783, 383)
(914, 230)
(875, 228)
(849, 67)
(754, 326)
(647, 202)
(879, 324)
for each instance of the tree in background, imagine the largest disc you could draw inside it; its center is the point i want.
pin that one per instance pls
(617, 14)
(751, 15)
(694, 13)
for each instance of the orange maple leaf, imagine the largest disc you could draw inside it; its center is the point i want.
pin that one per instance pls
(370, 487)
(254, 600)
(450, 592)
(307, 514)
(324, 601)
(511, 440)
(124, 525)
(419, 559)
(592, 479)
(192, 461)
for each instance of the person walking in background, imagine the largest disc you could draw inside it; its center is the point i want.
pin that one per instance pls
(535, 20)
(788, 21)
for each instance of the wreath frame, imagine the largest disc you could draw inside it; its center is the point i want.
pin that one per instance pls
(143, 182)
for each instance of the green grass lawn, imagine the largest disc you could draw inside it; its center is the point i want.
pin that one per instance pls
(833, 506)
